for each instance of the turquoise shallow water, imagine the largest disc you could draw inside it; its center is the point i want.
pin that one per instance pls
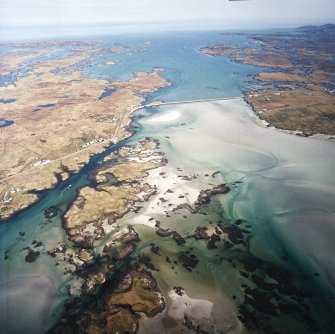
(282, 190)
(282, 186)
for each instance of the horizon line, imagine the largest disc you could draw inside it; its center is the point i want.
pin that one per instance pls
(15, 33)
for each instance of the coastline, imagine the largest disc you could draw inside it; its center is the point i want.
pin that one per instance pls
(178, 177)
(159, 204)
(174, 142)
(142, 82)
(199, 204)
(291, 92)
(262, 122)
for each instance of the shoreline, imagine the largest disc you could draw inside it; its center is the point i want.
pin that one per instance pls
(129, 93)
(170, 117)
(291, 91)
(266, 124)
(281, 164)
(190, 197)
(160, 207)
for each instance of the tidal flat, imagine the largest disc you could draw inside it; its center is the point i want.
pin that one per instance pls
(193, 218)
(267, 264)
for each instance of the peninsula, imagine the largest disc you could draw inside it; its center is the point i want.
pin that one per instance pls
(295, 84)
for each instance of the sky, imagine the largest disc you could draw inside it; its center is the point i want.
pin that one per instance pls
(189, 14)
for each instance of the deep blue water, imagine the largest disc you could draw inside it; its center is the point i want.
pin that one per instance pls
(330, 87)
(43, 106)
(107, 92)
(5, 122)
(5, 101)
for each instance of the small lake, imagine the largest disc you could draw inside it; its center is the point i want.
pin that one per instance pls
(4, 123)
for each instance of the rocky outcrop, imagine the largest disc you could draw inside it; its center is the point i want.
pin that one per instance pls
(142, 295)
(51, 212)
(117, 309)
(205, 195)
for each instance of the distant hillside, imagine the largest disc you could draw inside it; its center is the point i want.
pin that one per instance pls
(326, 28)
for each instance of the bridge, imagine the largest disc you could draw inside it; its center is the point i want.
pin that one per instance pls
(189, 101)
(113, 139)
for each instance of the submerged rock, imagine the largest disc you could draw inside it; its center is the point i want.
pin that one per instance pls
(261, 283)
(250, 264)
(186, 207)
(260, 301)
(201, 233)
(212, 241)
(179, 290)
(32, 256)
(154, 249)
(234, 234)
(178, 238)
(189, 261)
(192, 324)
(164, 232)
(51, 212)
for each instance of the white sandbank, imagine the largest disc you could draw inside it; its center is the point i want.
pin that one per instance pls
(168, 117)
(196, 308)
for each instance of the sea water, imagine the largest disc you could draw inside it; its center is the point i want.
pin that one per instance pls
(286, 188)
(285, 192)
(193, 74)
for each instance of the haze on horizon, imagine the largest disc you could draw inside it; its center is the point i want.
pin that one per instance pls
(159, 15)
